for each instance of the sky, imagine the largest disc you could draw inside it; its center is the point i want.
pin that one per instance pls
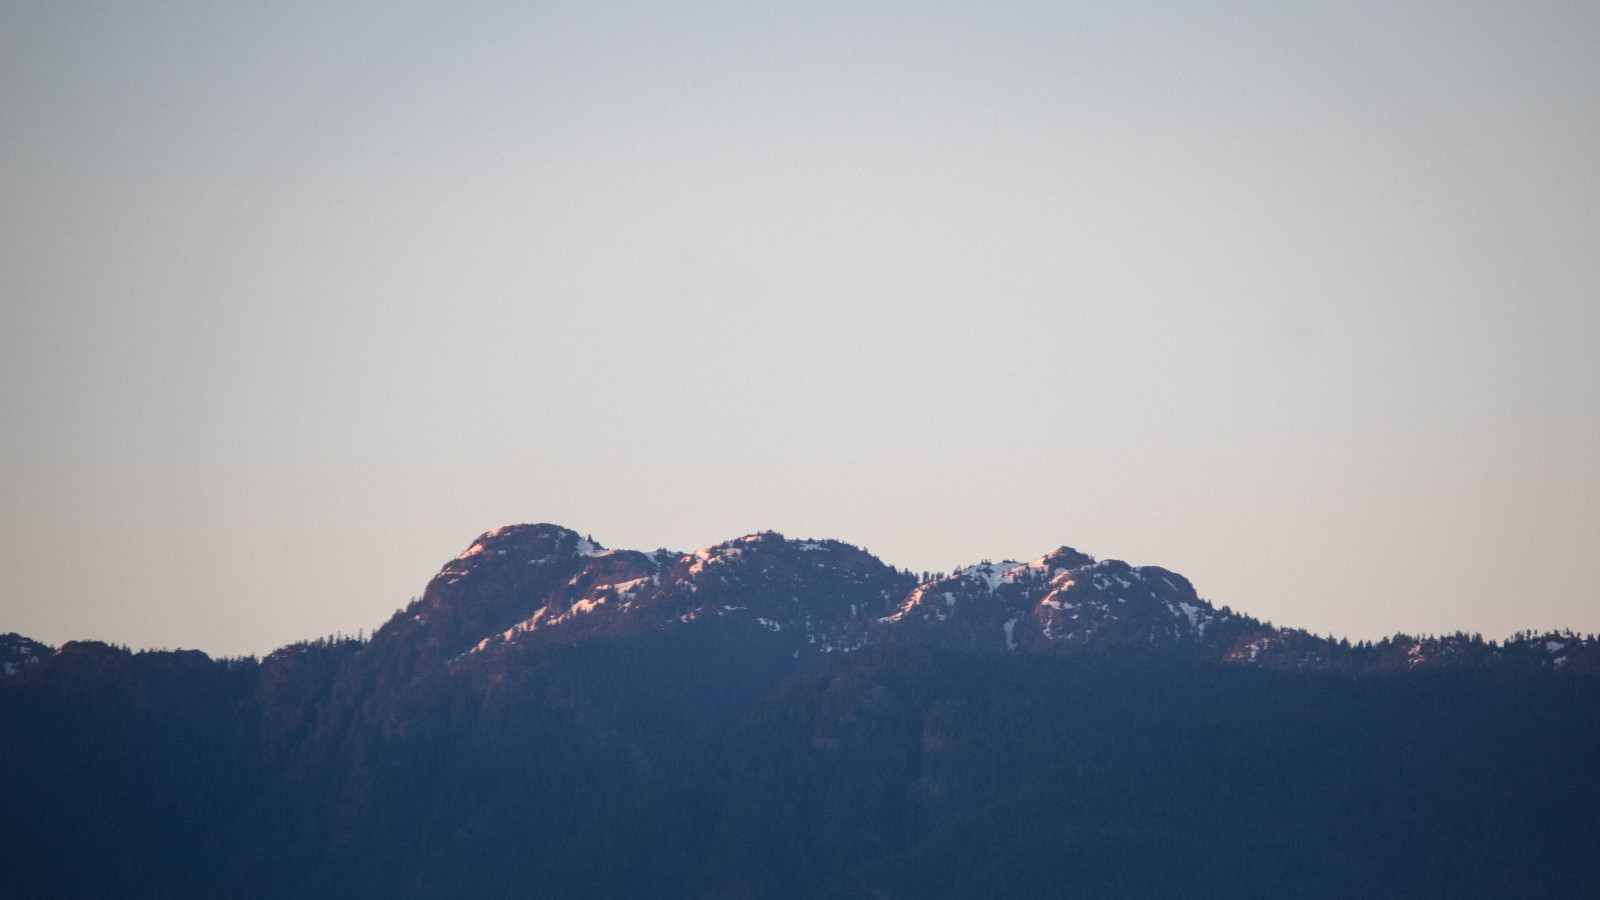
(296, 299)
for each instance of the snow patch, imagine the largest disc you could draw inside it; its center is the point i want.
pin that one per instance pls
(989, 574)
(1190, 610)
(1039, 565)
(627, 590)
(908, 605)
(711, 556)
(525, 625)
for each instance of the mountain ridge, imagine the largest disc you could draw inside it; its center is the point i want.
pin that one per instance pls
(1063, 601)
(544, 582)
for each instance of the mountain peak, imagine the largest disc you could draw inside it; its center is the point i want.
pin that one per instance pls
(1064, 557)
(541, 583)
(17, 651)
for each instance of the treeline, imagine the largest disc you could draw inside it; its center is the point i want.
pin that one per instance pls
(696, 763)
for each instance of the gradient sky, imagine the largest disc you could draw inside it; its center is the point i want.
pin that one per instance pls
(296, 299)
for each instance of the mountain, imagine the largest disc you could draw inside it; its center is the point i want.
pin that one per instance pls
(17, 651)
(537, 584)
(770, 717)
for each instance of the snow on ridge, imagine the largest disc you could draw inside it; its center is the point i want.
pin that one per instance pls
(1059, 585)
(583, 548)
(627, 589)
(720, 553)
(525, 625)
(1103, 580)
(596, 596)
(908, 604)
(1042, 564)
(1010, 570)
(989, 574)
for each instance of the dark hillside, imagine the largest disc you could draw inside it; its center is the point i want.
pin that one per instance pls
(116, 767)
(923, 774)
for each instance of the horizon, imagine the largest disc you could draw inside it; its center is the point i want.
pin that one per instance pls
(932, 576)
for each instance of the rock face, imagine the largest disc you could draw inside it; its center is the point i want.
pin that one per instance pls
(821, 596)
(1062, 601)
(528, 584)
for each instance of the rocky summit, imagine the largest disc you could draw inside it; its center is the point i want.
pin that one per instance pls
(529, 584)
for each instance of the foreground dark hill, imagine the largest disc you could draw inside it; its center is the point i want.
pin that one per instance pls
(780, 718)
(917, 773)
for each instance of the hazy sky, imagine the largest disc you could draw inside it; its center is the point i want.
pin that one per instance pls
(1301, 300)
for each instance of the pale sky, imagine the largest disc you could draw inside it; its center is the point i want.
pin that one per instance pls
(1300, 300)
